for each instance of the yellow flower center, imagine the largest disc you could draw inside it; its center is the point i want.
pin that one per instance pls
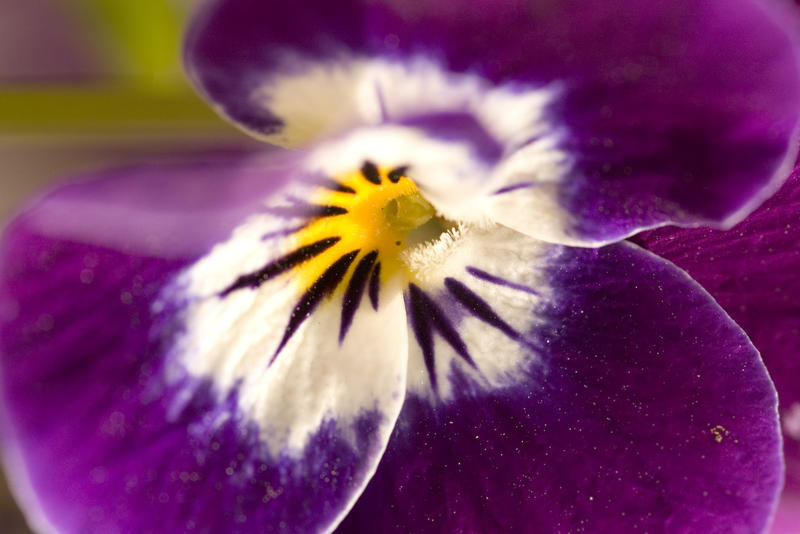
(368, 210)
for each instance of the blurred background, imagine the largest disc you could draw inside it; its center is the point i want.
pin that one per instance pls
(88, 84)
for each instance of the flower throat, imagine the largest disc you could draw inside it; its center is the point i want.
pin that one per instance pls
(366, 217)
(370, 212)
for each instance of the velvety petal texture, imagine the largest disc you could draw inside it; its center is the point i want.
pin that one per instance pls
(752, 271)
(105, 430)
(639, 119)
(640, 407)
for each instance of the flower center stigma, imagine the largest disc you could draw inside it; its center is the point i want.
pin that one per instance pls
(368, 215)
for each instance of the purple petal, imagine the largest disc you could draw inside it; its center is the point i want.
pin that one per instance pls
(656, 125)
(160, 211)
(101, 433)
(752, 271)
(643, 407)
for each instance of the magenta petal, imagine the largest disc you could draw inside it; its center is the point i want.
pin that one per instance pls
(752, 271)
(645, 409)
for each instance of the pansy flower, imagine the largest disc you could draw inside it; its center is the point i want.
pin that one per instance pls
(421, 317)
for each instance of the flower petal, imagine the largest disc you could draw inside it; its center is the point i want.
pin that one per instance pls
(751, 270)
(161, 210)
(450, 158)
(640, 405)
(452, 314)
(110, 426)
(616, 116)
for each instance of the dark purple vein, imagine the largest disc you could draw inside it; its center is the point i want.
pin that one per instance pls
(422, 331)
(282, 264)
(483, 275)
(397, 173)
(513, 187)
(427, 316)
(355, 290)
(333, 185)
(310, 211)
(375, 286)
(480, 308)
(370, 172)
(321, 288)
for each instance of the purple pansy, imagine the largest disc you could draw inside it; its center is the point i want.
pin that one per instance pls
(422, 319)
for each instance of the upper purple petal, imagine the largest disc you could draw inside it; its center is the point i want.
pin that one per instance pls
(644, 408)
(667, 111)
(752, 271)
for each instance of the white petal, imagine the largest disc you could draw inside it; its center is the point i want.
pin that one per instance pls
(526, 187)
(232, 340)
(448, 172)
(492, 265)
(370, 91)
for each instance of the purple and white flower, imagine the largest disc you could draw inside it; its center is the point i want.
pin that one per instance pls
(422, 317)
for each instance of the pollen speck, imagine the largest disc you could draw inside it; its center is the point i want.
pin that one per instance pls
(719, 432)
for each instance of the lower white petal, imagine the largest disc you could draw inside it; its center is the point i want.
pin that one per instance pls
(472, 304)
(279, 347)
(289, 387)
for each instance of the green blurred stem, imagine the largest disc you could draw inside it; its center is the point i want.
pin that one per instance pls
(143, 35)
(103, 109)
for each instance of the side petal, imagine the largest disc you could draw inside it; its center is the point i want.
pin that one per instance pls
(110, 426)
(636, 404)
(161, 210)
(751, 270)
(616, 116)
